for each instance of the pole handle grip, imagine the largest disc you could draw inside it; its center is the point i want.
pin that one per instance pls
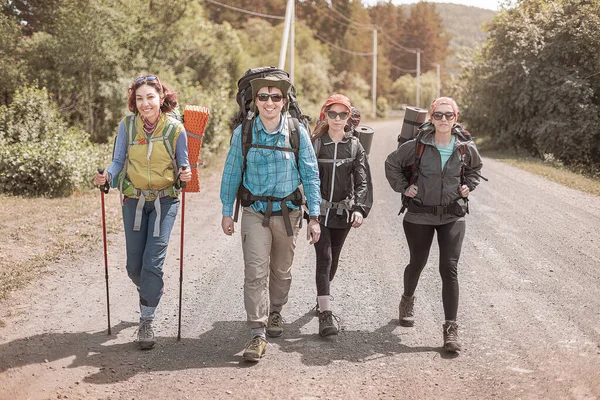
(183, 168)
(106, 187)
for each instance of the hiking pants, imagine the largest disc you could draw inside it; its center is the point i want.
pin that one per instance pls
(268, 255)
(145, 253)
(450, 237)
(328, 250)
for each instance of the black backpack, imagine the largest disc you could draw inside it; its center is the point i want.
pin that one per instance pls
(246, 116)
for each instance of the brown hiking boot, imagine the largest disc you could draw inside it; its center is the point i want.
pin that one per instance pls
(326, 325)
(255, 349)
(275, 324)
(406, 311)
(451, 343)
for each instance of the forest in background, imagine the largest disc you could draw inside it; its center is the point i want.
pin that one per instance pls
(65, 66)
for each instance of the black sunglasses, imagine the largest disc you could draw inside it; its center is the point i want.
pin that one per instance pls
(265, 97)
(438, 115)
(147, 78)
(333, 114)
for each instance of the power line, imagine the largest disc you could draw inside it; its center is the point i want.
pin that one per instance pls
(408, 71)
(332, 17)
(356, 53)
(245, 11)
(359, 24)
(397, 45)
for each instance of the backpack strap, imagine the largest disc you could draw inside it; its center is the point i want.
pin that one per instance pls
(414, 176)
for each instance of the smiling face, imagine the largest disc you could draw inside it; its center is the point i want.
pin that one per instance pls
(269, 110)
(147, 101)
(443, 125)
(337, 123)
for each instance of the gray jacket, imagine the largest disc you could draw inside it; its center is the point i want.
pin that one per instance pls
(437, 187)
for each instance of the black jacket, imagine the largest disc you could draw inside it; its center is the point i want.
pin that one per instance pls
(345, 180)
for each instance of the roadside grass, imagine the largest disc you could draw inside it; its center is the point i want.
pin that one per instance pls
(550, 169)
(38, 232)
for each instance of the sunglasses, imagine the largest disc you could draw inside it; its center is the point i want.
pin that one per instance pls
(333, 114)
(438, 115)
(276, 98)
(147, 78)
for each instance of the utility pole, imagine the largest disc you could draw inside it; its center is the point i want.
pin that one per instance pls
(437, 67)
(286, 33)
(418, 78)
(374, 83)
(292, 40)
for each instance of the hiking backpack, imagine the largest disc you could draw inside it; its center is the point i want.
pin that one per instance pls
(246, 116)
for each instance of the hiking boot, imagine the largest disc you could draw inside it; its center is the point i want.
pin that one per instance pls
(326, 325)
(275, 324)
(145, 334)
(451, 343)
(255, 349)
(406, 311)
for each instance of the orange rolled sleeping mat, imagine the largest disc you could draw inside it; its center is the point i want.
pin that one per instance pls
(195, 119)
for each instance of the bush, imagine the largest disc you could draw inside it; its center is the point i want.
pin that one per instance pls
(382, 107)
(39, 154)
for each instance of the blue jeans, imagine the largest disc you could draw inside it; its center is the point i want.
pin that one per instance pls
(145, 253)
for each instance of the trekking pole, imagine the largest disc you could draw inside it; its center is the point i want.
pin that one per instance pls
(104, 189)
(183, 185)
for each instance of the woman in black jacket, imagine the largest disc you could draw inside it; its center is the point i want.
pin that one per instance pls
(445, 168)
(345, 191)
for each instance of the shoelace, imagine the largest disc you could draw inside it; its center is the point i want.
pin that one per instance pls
(277, 319)
(333, 317)
(144, 328)
(407, 307)
(451, 333)
(254, 344)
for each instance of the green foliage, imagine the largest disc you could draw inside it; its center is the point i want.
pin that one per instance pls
(382, 107)
(533, 86)
(39, 154)
(10, 65)
(404, 90)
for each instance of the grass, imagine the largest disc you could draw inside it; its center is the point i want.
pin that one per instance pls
(551, 169)
(38, 232)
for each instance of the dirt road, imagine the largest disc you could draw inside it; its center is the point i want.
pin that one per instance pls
(529, 311)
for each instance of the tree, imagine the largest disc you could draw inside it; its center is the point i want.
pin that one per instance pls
(533, 85)
(11, 67)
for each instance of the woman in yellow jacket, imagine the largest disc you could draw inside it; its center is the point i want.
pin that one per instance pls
(150, 151)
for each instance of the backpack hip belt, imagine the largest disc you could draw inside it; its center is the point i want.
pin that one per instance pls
(157, 195)
(247, 199)
(346, 204)
(453, 208)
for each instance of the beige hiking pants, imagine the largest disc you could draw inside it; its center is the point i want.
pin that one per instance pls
(268, 256)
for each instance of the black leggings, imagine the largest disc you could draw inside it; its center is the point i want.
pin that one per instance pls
(450, 237)
(328, 250)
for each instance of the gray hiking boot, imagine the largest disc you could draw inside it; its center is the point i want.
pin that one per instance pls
(145, 334)
(406, 311)
(326, 325)
(275, 324)
(451, 343)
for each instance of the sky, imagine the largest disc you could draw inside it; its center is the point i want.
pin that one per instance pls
(487, 4)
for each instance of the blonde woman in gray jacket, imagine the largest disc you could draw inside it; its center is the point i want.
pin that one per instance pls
(435, 172)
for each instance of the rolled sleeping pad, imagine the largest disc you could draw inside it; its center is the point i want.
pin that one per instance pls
(413, 118)
(365, 135)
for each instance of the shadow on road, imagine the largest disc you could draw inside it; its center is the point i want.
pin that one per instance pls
(351, 346)
(217, 348)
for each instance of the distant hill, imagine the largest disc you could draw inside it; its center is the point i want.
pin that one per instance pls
(464, 24)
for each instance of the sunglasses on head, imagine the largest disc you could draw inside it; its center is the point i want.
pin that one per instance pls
(438, 115)
(333, 114)
(147, 78)
(275, 97)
